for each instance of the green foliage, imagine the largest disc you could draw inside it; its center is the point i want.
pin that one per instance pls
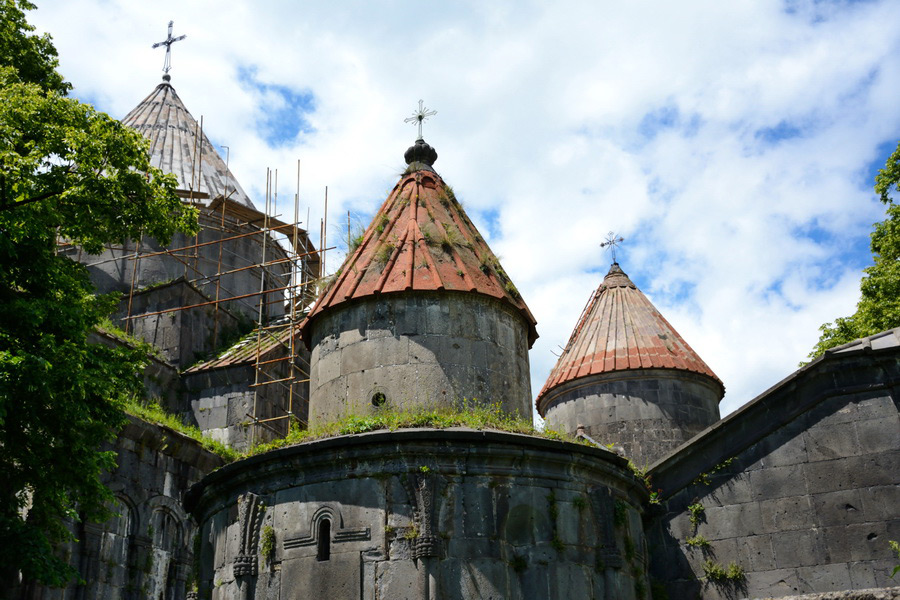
(879, 306)
(895, 548)
(620, 514)
(579, 503)
(384, 252)
(153, 413)
(716, 573)
(67, 172)
(705, 478)
(629, 550)
(697, 541)
(518, 563)
(696, 509)
(463, 414)
(267, 544)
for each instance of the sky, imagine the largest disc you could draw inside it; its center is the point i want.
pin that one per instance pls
(732, 144)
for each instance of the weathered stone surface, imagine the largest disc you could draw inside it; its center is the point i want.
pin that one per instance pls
(424, 349)
(793, 492)
(462, 513)
(648, 412)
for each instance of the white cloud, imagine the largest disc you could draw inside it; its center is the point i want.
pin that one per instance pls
(653, 119)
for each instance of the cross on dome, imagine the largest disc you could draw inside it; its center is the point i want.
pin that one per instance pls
(612, 242)
(420, 115)
(167, 64)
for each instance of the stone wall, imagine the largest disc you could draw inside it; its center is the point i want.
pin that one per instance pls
(451, 514)
(418, 349)
(113, 269)
(647, 412)
(182, 336)
(799, 488)
(147, 550)
(219, 400)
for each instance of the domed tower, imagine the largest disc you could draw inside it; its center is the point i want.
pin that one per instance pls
(629, 378)
(421, 313)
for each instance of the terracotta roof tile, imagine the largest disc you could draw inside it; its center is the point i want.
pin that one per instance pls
(421, 240)
(162, 118)
(621, 330)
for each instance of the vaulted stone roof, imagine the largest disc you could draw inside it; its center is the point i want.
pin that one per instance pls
(621, 330)
(421, 240)
(163, 119)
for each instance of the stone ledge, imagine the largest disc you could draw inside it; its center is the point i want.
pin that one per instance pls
(870, 594)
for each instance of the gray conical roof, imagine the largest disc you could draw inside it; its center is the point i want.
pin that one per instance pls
(163, 119)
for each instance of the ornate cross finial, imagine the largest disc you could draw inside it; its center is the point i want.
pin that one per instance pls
(167, 65)
(611, 242)
(420, 115)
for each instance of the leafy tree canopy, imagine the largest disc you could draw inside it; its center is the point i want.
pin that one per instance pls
(66, 172)
(879, 305)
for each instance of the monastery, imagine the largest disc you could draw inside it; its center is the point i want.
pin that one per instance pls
(794, 494)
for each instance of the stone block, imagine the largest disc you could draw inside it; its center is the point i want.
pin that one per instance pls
(879, 435)
(839, 508)
(756, 553)
(736, 520)
(800, 548)
(881, 502)
(828, 442)
(773, 584)
(398, 579)
(822, 578)
(786, 514)
(778, 482)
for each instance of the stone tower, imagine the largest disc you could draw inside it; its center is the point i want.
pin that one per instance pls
(629, 378)
(421, 313)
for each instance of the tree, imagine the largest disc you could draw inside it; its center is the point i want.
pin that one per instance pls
(879, 305)
(67, 172)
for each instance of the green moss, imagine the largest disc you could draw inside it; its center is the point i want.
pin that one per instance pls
(518, 563)
(267, 544)
(579, 503)
(153, 413)
(462, 414)
(620, 514)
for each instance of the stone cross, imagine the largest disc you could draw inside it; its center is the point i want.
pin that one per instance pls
(420, 115)
(167, 65)
(611, 242)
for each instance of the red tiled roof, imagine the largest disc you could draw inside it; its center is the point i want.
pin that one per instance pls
(421, 240)
(621, 330)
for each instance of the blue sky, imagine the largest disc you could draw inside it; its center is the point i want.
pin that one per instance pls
(733, 144)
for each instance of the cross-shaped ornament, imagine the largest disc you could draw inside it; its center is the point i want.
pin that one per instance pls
(420, 115)
(611, 242)
(167, 65)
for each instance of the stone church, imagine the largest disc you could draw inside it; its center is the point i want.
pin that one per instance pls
(794, 494)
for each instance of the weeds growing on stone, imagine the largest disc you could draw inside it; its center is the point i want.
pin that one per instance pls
(464, 414)
(153, 413)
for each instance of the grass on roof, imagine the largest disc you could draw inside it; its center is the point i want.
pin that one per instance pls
(465, 414)
(153, 413)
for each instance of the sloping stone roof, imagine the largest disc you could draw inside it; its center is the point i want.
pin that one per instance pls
(162, 118)
(620, 330)
(421, 240)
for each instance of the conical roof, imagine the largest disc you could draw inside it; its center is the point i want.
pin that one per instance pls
(621, 330)
(421, 240)
(162, 118)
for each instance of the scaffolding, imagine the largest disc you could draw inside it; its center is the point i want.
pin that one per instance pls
(289, 268)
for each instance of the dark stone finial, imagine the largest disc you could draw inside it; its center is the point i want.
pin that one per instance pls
(167, 78)
(420, 152)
